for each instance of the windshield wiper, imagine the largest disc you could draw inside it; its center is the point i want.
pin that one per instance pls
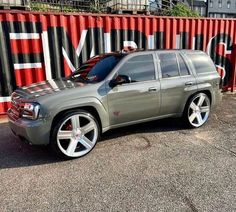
(76, 77)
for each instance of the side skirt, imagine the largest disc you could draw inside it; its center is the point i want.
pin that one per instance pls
(141, 121)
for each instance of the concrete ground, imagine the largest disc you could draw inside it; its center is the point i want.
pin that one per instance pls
(156, 166)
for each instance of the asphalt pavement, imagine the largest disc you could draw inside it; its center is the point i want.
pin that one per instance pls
(156, 166)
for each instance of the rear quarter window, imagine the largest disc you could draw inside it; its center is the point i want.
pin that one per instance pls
(202, 63)
(183, 69)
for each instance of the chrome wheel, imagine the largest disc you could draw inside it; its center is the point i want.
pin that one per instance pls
(199, 110)
(77, 135)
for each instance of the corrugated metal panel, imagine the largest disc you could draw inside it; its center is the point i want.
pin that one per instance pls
(36, 46)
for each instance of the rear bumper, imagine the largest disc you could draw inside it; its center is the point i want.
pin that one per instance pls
(36, 132)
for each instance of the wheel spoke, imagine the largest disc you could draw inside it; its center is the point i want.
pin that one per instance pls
(75, 122)
(64, 134)
(205, 109)
(87, 128)
(193, 106)
(192, 117)
(72, 146)
(201, 100)
(199, 118)
(86, 142)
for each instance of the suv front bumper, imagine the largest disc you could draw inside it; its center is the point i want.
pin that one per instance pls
(36, 132)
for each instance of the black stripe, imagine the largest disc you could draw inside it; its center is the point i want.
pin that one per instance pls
(118, 36)
(159, 40)
(28, 58)
(199, 42)
(116, 40)
(24, 27)
(184, 40)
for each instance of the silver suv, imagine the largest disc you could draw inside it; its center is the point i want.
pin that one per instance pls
(114, 90)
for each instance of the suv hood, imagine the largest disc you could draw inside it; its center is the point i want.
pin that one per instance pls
(47, 87)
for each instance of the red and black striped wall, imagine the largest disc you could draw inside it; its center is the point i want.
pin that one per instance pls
(40, 46)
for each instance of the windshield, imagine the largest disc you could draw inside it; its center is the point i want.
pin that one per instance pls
(96, 69)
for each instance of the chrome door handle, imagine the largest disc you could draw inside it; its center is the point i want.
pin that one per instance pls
(152, 89)
(189, 83)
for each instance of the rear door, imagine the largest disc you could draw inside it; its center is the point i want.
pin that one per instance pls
(177, 82)
(139, 99)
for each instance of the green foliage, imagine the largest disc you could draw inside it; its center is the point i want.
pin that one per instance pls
(181, 10)
(95, 8)
(44, 7)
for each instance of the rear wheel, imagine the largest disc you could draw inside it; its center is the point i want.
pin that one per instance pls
(75, 134)
(197, 110)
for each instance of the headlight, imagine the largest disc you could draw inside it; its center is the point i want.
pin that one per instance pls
(31, 110)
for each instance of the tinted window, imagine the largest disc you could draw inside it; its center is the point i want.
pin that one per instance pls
(96, 69)
(182, 66)
(139, 68)
(103, 68)
(169, 66)
(202, 64)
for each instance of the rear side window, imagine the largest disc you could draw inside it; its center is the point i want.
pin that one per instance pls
(169, 65)
(202, 64)
(139, 68)
(183, 69)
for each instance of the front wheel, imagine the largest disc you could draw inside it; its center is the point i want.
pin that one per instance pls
(197, 110)
(75, 135)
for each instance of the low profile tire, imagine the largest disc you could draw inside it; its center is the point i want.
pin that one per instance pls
(75, 134)
(197, 110)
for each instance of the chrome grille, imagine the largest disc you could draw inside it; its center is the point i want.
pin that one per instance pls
(16, 105)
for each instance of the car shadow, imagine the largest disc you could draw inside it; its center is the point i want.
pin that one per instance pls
(163, 125)
(14, 153)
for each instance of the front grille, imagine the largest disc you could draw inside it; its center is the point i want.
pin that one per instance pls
(16, 106)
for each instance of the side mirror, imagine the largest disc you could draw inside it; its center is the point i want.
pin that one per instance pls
(120, 79)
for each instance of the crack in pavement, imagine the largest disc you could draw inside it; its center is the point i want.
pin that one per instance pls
(186, 200)
(148, 143)
(223, 121)
(225, 150)
(190, 204)
(222, 149)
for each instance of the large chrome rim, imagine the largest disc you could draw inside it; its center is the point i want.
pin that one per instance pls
(199, 110)
(77, 135)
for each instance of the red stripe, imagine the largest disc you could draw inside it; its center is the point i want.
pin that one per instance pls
(174, 28)
(4, 106)
(26, 46)
(167, 30)
(29, 76)
(67, 70)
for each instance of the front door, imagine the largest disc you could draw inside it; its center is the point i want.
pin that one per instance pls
(140, 97)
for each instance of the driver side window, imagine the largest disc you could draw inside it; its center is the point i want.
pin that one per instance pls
(139, 68)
